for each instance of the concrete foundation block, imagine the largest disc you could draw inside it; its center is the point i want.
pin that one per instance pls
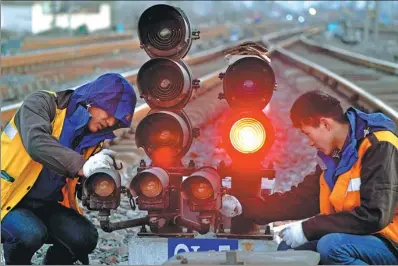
(290, 257)
(154, 250)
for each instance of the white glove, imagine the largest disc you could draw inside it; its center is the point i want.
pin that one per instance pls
(103, 159)
(293, 235)
(231, 207)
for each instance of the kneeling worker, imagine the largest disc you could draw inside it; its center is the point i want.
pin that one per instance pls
(53, 139)
(354, 200)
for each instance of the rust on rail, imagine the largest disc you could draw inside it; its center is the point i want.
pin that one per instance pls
(36, 44)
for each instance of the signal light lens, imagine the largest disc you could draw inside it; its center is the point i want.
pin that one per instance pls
(247, 135)
(201, 189)
(151, 186)
(165, 83)
(150, 183)
(103, 186)
(165, 136)
(164, 31)
(249, 83)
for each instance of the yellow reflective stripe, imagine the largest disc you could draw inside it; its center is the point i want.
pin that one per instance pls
(354, 185)
(50, 92)
(10, 131)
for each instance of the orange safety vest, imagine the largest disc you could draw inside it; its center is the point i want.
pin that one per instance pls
(346, 192)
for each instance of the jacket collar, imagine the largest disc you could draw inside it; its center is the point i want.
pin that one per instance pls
(361, 125)
(75, 125)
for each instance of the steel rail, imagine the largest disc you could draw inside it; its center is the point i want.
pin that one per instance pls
(342, 85)
(19, 62)
(353, 57)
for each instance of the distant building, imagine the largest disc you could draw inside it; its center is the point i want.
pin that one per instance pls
(37, 16)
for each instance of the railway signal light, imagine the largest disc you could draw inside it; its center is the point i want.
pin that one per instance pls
(202, 190)
(165, 31)
(248, 83)
(102, 190)
(165, 83)
(151, 186)
(248, 86)
(165, 136)
(247, 135)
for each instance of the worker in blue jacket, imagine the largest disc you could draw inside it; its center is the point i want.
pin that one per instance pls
(53, 139)
(348, 208)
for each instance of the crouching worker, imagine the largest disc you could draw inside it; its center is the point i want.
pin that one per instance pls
(354, 200)
(53, 139)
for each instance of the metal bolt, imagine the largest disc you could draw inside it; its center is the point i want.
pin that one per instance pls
(143, 229)
(221, 228)
(196, 132)
(268, 230)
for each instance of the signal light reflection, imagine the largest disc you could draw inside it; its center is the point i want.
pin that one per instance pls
(103, 186)
(201, 189)
(247, 135)
(151, 186)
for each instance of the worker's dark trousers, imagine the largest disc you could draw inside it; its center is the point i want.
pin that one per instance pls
(339, 248)
(31, 224)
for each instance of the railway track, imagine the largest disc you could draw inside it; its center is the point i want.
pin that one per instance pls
(26, 62)
(385, 48)
(49, 75)
(371, 80)
(35, 43)
(131, 60)
(91, 47)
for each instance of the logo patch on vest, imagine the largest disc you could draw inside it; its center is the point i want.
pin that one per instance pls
(354, 185)
(10, 131)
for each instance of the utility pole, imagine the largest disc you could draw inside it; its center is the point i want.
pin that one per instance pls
(366, 25)
(53, 11)
(69, 8)
(376, 21)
